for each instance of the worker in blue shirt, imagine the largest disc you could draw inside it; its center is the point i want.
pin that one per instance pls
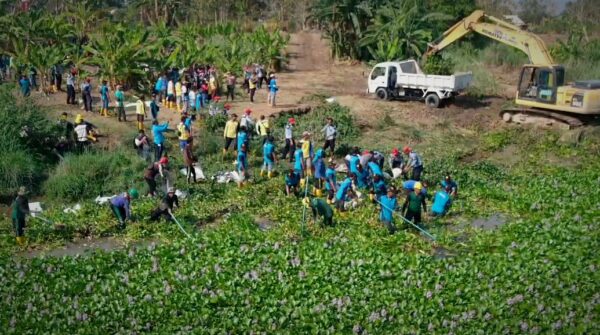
(242, 165)
(374, 169)
(354, 163)
(379, 187)
(449, 184)
(242, 138)
(298, 162)
(441, 202)
(330, 181)
(292, 179)
(159, 138)
(389, 204)
(362, 177)
(320, 171)
(341, 196)
(269, 158)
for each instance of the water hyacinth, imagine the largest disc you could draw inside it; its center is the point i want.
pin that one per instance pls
(515, 300)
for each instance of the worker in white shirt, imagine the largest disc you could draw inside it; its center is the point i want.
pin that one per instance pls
(330, 135)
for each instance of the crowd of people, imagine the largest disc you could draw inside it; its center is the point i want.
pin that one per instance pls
(366, 176)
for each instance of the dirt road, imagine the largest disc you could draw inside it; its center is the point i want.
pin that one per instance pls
(310, 71)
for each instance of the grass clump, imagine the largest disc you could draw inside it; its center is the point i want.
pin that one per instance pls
(94, 173)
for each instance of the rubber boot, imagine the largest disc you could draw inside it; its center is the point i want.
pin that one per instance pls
(270, 174)
(262, 173)
(21, 241)
(164, 102)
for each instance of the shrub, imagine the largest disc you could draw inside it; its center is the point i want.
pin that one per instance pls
(94, 173)
(315, 120)
(436, 64)
(28, 138)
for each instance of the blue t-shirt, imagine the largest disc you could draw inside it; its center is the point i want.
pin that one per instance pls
(293, 181)
(388, 207)
(375, 169)
(354, 161)
(330, 178)
(298, 160)
(362, 179)
(241, 139)
(452, 185)
(104, 92)
(380, 188)
(159, 84)
(441, 202)
(273, 86)
(343, 189)
(268, 151)
(242, 163)
(320, 168)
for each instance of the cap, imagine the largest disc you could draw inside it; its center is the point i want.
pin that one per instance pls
(164, 160)
(407, 149)
(133, 193)
(305, 134)
(171, 190)
(395, 151)
(78, 118)
(227, 106)
(366, 152)
(418, 186)
(292, 120)
(247, 111)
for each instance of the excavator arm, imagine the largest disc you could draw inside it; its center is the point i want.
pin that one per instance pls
(496, 29)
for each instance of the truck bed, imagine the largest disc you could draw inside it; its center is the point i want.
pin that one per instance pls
(456, 82)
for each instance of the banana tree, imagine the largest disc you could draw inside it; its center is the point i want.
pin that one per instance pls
(120, 53)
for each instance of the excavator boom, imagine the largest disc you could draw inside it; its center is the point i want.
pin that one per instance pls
(498, 30)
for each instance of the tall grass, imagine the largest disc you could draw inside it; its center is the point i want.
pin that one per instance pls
(94, 173)
(27, 139)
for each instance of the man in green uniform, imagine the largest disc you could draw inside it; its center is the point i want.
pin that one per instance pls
(413, 203)
(320, 207)
(20, 208)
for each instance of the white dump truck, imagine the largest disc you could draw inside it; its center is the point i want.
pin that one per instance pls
(405, 81)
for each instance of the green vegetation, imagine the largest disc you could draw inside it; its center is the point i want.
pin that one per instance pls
(94, 173)
(28, 138)
(240, 277)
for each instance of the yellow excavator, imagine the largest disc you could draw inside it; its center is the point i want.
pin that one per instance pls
(542, 94)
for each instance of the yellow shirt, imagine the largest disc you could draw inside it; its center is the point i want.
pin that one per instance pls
(178, 89)
(140, 107)
(262, 127)
(251, 84)
(306, 145)
(183, 132)
(230, 129)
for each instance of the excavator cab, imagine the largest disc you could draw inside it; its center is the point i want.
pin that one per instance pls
(540, 83)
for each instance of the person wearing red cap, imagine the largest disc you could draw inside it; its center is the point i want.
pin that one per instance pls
(246, 120)
(396, 163)
(414, 163)
(290, 145)
(152, 171)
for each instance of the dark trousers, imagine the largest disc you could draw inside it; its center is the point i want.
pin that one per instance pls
(289, 148)
(329, 144)
(230, 92)
(252, 92)
(415, 217)
(119, 212)
(390, 226)
(259, 82)
(158, 151)
(416, 173)
(158, 212)
(87, 102)
(121, 113)
(70, 95)
(151, 185)
(191, 172)
(58, 81)
(19, 225)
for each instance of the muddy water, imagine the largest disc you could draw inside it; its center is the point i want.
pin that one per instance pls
(492, 222)
(86, 247)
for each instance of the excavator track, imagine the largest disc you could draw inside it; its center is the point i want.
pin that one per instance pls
(540, 117)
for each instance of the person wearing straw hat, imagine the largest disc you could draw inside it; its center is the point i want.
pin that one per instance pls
(168, 204)
(20, 209)
(412, 206)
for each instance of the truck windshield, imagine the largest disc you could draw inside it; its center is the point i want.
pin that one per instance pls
(378, 72)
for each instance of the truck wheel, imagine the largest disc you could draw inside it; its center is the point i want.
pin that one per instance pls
(432, 100)
(382, 93)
